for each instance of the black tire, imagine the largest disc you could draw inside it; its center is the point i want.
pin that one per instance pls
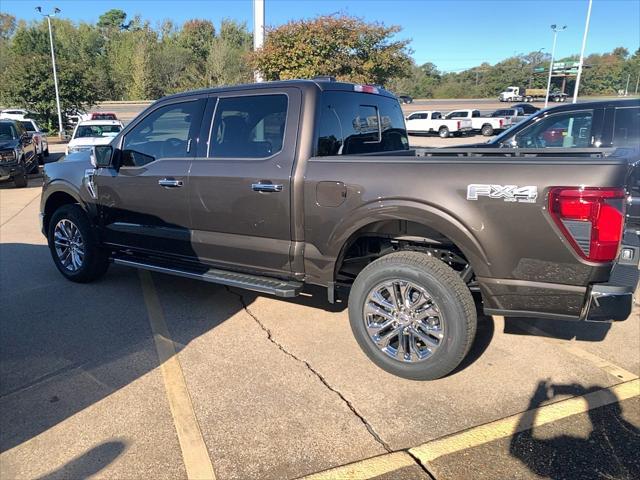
(443, 132)
(20, 180)
(96, 260)
(487, 130)
(35, 166)
(446, 288)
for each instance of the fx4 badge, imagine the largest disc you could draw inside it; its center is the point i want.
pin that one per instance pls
(509, 193)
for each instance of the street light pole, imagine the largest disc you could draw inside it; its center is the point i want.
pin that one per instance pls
(584, 44)
(555, 29)
(53, 62)
(258, 31)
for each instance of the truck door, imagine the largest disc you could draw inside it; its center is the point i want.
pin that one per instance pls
(240, 195)
(143, 198)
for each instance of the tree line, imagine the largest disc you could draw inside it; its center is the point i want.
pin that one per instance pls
(604, 74)
(118, 58)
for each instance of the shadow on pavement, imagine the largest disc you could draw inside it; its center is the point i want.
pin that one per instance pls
(66, 346)
(89, 463)
(561, 329)
(608, 451)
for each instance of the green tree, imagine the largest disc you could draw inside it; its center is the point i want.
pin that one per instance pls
(112, 20)
(338, 45)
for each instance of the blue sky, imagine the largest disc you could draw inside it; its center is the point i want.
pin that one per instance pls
(453, 34)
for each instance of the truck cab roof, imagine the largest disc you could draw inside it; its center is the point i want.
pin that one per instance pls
(321, 84)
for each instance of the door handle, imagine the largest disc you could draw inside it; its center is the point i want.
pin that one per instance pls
(266, 187)
(170, 183)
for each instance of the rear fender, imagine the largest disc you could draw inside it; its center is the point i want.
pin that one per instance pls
(412, 211)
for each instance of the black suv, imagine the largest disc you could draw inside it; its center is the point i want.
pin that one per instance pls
(17, 153)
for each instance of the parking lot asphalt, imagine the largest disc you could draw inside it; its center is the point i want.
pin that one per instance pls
(149, 376)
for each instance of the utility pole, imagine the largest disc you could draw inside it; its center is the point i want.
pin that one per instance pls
(626, 89)
(584, 44)
(53, 62)
(556, 29)
(258, 31)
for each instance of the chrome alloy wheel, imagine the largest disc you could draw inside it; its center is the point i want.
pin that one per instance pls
(69, 245)
(403, 320)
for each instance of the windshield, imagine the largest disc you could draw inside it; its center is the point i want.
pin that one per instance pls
(85, 131)
(7, 132)
(28, 126)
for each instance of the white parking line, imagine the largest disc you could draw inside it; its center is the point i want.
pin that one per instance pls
(194, 451)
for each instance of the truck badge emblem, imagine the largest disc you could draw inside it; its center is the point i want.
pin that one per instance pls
(509, 193)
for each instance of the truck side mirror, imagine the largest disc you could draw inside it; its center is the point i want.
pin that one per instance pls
(101, 155)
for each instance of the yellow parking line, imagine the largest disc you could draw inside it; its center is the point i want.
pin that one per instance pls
(473, 437)
(509, 426)
(573, 348)
(370, 468)
(194, 451)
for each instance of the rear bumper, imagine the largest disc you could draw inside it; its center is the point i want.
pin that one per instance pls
(597, 302)
(614, 300)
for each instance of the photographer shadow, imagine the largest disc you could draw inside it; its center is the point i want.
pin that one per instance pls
(608, 451)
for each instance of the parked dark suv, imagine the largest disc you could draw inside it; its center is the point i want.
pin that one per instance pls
(18, 155)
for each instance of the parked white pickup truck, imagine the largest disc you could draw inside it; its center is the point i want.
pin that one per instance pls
(488, 126)
(39, 137)
(428, 121)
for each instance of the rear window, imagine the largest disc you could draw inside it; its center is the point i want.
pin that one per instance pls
(357, 123)
(626, 127)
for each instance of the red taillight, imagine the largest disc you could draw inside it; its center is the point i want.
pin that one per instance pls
(501, 122)
(459, 123)
(600, 210)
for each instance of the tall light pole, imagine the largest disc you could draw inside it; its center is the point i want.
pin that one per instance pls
(53, 62)
(584, 44)
(258, 31)
(555, 29)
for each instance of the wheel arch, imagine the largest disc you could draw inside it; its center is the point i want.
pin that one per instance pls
(61, 195)
(411, 221)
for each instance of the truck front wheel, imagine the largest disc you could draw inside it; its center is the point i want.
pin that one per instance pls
(74, 246)
(412, 315)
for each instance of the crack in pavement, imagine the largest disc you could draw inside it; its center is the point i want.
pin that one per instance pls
(21, 210)
(351, 407)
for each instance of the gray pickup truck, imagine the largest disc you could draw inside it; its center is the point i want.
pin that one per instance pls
(272, 186)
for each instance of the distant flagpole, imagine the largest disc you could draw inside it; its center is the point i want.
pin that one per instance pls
(258, 31)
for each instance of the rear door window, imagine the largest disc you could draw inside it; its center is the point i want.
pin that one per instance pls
(355, 123)
(251, 126)
(626, 127)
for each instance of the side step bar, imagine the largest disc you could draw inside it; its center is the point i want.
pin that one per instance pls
(273, 286)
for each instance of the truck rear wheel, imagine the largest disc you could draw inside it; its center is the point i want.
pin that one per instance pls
(74, 246)
(412, 315)
(20, 179)
(443, 132)
(487, 130)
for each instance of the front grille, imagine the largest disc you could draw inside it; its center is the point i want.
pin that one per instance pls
(7, 156)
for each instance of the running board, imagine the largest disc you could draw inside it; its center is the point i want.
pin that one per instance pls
(273, 286)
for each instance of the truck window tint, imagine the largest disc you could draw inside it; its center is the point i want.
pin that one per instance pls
(568, 130)
(164, 133)
(249, 127)
(355, 123)
(626, 127)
